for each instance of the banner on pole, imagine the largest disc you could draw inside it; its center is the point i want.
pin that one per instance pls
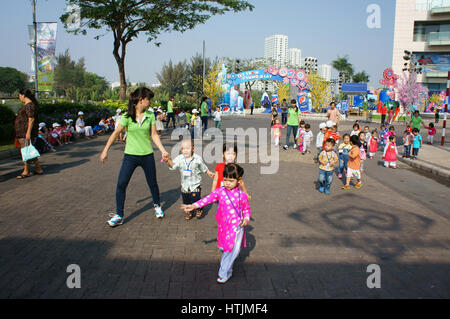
(46, 49)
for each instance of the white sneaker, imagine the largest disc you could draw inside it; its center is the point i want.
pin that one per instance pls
(159, 212)
(221, 280)
(115, 220)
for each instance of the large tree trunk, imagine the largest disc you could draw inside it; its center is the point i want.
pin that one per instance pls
(120, 59)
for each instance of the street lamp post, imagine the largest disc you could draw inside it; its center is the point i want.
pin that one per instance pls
(35, 50)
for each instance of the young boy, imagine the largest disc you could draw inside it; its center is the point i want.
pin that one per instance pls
(218, 118)
(191, 167)
(307, 138)
(332, 133)
(319, 140)
(354, 163)
(328, 161)
(344, 149)
(417, 144)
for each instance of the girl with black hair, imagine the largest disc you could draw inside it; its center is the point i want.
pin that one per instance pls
(233, 214)
(26, 127)
(141, 131)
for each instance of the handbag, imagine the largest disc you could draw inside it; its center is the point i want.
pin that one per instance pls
(29, 152)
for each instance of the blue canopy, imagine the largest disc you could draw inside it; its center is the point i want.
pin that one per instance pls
(354, 88)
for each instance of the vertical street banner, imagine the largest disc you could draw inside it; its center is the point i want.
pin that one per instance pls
(46, 48)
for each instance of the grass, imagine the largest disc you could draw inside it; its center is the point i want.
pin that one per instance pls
(7, 147)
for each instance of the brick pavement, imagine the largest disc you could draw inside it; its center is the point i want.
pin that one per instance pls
(301, 244)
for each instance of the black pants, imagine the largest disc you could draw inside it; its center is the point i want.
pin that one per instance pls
(204, 124)
(170, 116)
(191, 197)
(129, 164)
(383, 118)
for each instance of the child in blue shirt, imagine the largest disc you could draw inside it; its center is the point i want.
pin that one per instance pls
(417, 144)
(383, 131)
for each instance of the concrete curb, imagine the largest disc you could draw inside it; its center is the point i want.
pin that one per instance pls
(430, 168)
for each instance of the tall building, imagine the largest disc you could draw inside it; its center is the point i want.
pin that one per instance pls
(295, 57)
(276, 50)
(421, 27)
(325, 72)
(310, 65)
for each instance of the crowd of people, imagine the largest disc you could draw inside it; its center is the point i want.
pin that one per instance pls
(346, 154)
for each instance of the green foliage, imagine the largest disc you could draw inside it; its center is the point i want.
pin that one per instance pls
(126, 19)
(72, 80)
(116, 104)
(172, 77)
(7, 117)
(12, 80)
(361, 77)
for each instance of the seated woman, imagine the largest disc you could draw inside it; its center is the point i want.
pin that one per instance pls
(81, 127)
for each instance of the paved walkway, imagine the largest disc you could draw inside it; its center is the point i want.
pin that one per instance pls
(301, 244)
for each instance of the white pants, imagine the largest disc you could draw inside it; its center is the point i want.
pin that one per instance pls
(430, 138)
(87, 130)
(371, 154)
(392, 164)
(276, 140)
(228, 258)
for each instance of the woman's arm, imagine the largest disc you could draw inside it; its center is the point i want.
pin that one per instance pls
(112, 138)
(29, 128)
(157, 141)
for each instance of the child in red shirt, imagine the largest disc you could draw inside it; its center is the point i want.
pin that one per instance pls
(229, 156)
(431, 133)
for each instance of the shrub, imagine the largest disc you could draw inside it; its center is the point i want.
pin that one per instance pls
(6, 115)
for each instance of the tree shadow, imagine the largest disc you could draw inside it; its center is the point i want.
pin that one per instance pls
(168, 199)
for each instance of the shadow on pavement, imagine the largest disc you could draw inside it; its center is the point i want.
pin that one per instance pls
(37, 268)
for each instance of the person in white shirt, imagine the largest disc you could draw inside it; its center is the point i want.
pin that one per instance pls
(319, 140)
(307, 138)
(218, 118)
(82, 128)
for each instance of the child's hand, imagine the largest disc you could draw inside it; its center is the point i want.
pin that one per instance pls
(244, 222)
(187, 208)
(210, 174)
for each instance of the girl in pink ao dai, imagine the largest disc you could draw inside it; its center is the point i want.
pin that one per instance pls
(233, 214)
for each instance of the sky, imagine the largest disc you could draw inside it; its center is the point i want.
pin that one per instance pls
(324, 29)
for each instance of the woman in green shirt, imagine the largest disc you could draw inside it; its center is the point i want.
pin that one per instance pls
(141, 131)
(294, 118)
(204, 114)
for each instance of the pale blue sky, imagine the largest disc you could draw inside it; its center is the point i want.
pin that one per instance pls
(320, 28)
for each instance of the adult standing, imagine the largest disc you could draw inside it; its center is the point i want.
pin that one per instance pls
(82, 128)
(294, 118)
(436, 114)
(141, 128)
(416, 121)
(333, 114)
(284, 112)
(391, 115)
(383, 114)
(170, 113)
(26, 127)
(204, 114)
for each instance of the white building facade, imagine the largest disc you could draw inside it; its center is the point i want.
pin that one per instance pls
(422, 26)
(276, 49)
(325, 72)
(295, 57)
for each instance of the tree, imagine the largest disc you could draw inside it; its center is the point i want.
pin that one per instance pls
(68, 75)
(12, 80)
(361, 77)
(344, 67)
(195, 73)
(320, 94)
(126, 19)
(172, 77)
(283, 91)
(409, 90)
(213, 87)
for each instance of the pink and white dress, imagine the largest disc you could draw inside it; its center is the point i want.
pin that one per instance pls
(228, 216)
(390, 155)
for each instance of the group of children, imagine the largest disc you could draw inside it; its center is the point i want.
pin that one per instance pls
(228, 188)
(357, 147)
(303, 137)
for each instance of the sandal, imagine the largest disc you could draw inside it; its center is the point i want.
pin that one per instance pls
(189, 216)
(199, 214)
(22, 176)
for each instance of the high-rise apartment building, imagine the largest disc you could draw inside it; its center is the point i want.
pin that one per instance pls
(325, 72)
(310, 65)
(295, 57)
(276, 50)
